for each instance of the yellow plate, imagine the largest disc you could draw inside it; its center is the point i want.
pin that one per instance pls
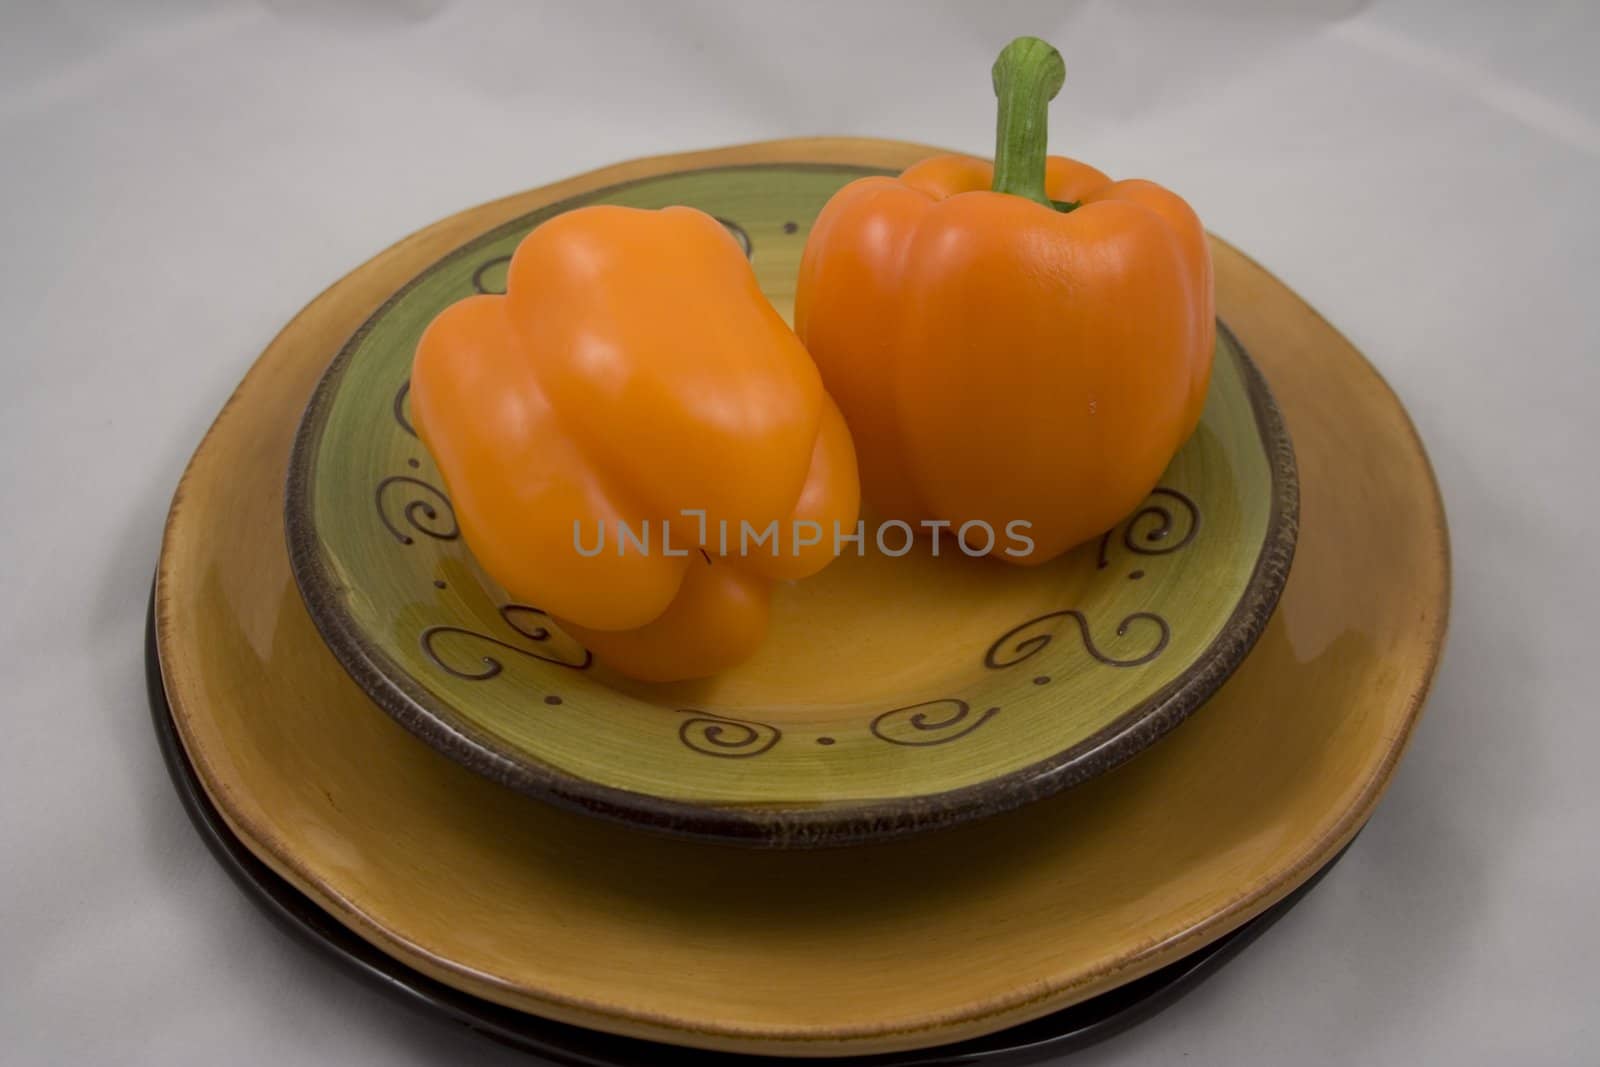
(902, 689)
(903, 944)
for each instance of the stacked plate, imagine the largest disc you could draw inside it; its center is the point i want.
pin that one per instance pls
(863, 841)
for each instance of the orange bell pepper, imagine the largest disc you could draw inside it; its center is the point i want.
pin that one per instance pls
(1030, 341)
(633, 380)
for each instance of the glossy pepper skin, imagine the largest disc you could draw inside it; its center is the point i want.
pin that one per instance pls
(999, 358)
(633, 371)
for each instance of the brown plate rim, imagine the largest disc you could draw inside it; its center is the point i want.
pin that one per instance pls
(831, 825)
(1062, 1032)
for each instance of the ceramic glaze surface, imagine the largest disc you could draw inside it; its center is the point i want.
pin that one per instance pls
(955, 685)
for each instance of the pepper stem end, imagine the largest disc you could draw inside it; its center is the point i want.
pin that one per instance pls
(1027, 76)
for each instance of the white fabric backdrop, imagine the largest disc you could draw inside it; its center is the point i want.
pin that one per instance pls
(177, 178)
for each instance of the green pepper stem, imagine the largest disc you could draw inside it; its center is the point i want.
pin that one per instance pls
(1027, 76)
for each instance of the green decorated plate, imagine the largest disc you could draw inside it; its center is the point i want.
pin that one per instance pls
(892, 695)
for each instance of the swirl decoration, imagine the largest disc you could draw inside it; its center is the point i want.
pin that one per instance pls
(1141, 537)
(509, 613)
(422, 514)
(484, 268)
(1014, 648)
(726, 738)
(914, 726)
(739, 235)
(489, 665)
(399, 408)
